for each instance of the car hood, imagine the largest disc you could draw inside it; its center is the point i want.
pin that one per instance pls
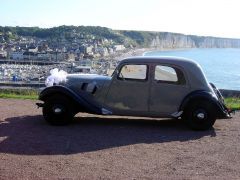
(86, 78)
(86, 81)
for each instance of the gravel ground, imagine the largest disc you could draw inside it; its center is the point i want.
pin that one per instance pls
(96, 147)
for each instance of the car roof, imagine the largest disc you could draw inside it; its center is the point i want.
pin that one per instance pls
(161, 59)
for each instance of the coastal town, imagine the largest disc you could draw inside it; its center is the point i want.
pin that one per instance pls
(30, 59)
(30, 48)
(27, 54)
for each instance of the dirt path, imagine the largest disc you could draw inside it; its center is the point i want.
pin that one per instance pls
(94, 147)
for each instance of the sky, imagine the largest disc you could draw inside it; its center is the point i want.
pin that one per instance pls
(198, 17)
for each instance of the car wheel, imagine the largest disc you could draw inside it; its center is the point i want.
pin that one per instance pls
(200, 115)
(57, 110)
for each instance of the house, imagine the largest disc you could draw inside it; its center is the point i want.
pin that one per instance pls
(29, 55)
(119, 47)
(23, 46)
(82, 49)
(18, 55)
(43, 56)
(71, 57)
(3, 54)
(58, 56)
(89, 50)
(85, 62)
(82, 69)
(110, 50)
(1, 47)
(33, 49)
(102, 50)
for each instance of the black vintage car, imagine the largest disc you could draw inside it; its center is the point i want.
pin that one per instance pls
(140, 86)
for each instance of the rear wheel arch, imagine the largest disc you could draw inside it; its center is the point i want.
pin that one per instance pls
(197, 96)
(196, 100)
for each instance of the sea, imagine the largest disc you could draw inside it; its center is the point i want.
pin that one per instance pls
(221, 66)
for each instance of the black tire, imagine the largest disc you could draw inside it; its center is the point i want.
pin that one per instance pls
(58, 110)
(200, 115)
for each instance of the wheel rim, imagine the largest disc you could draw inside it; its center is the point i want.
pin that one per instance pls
(200, 115)
(58, 109)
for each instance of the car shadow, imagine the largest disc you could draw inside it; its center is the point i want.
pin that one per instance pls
(31, 135)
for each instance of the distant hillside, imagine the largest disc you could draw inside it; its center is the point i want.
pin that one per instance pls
(128, 38)
(176, 40)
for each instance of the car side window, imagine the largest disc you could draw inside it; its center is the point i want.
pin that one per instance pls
(133, 72)
(170, 75)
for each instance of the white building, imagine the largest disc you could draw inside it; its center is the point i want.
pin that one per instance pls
(3, 54)
(33, 49)
(110, 50)
(101, 50)
(119, 47)
(89, 50)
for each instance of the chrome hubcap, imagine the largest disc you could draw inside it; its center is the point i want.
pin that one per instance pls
(57, 110)
(200, 116)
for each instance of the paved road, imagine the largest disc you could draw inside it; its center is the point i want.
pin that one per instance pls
(94, 147)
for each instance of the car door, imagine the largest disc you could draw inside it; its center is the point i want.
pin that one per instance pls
(129, 91)
(169, 86)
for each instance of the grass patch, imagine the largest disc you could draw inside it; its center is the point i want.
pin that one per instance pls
(19, 93)
(233, 103)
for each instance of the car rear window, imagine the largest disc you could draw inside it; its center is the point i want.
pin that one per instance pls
(167, 74)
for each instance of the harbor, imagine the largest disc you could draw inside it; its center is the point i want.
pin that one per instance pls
(33, 73)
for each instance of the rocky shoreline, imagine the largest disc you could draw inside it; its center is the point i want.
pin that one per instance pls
(140, 52)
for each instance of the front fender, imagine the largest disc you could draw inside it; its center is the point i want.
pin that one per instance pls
(209, 97)
(87, 104)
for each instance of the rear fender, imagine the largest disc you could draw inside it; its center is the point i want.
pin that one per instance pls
(87, 105)
(221, 112)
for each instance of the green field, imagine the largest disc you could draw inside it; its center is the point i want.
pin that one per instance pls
(19, 94)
